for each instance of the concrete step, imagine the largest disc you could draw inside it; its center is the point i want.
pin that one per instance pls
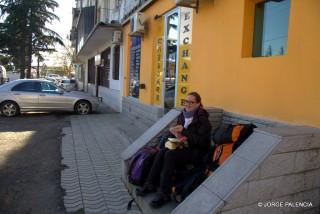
(144, 202)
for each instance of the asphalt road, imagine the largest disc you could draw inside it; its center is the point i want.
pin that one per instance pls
(30, 163)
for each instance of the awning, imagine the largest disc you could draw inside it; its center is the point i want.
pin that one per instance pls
(100, 35)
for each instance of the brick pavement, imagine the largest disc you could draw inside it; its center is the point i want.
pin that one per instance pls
(91, 150)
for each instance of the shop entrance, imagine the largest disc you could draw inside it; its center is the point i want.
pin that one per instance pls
(170, 54)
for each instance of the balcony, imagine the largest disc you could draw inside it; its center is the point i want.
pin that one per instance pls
(75, 16)
(108, 15)
(101, 34)
(85, 25)
(128, 7)
(78, 4)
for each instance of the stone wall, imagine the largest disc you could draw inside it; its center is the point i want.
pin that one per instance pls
(231, 118)
(136, 110)
(111, 97)
(274, 165)
(91, 89)
(80, 86)
(290, 174)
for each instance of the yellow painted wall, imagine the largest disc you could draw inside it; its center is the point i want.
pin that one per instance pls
(126, 59)
(148, 43)
(284, 88)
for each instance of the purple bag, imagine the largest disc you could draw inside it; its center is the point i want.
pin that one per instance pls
(141, 164)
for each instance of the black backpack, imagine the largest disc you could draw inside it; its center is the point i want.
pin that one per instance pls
(188, 184)
(193, 178)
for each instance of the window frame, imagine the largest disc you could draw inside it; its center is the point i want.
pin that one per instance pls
(249, 29)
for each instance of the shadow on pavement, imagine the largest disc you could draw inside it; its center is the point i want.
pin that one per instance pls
(30, 163)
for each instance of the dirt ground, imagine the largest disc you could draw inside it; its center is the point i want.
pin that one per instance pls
(30, 163)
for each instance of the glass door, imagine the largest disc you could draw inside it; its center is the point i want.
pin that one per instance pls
(171, 53)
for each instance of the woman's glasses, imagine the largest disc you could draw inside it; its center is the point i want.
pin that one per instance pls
(189, 102)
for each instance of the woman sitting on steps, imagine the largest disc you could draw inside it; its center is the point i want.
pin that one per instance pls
(194, 126)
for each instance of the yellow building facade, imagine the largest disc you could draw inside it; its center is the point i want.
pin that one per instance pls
(217, 58)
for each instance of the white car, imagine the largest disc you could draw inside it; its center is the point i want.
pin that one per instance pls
(25, 95)
(68, 84)
(54, 76)
(3, 74)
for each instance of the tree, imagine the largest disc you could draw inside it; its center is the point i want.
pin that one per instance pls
(66, 58)
(12, 32)
(4, 60)
(40, 59)
(25, 32)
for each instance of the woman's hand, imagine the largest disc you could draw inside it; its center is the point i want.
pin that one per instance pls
(176, 130)
(179, 128)
(172, 130)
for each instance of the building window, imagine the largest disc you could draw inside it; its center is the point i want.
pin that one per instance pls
(135, 55)
(116, 59)
(271, 21)
(91, 71)
(104, 70)
(117, 4)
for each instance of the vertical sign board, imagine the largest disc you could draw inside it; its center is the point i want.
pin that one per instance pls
(185, 42)
(158, 56)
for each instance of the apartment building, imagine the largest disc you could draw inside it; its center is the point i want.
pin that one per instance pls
(96, 37)
(253, 57)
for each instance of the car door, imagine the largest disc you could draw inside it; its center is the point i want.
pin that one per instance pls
(51, 98)
(27, 94)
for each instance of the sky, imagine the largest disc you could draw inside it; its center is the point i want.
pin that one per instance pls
(64, 12)
(62, 27)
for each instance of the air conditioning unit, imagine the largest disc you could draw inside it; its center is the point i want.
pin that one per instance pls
(116, 36)
(137, 24)
(187, 3)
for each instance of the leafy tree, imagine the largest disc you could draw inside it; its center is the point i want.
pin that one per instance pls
(4, 60)
(66, 57)
(24, 30)
(39, 59)
(12, 32)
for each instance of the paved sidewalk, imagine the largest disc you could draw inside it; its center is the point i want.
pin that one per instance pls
(91, 150)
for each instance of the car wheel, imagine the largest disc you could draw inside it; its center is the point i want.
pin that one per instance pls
(82, 107)
(9, 109)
